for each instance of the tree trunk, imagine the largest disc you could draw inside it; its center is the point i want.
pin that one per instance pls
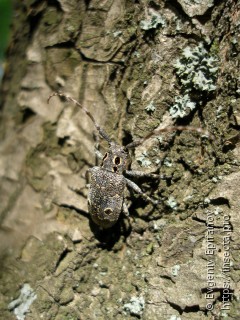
(135, 65)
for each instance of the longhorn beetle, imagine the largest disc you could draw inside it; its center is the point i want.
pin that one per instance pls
(107, 182)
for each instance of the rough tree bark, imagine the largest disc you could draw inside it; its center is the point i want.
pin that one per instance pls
(135, 65)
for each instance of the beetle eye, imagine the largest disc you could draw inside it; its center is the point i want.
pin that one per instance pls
(117, 160)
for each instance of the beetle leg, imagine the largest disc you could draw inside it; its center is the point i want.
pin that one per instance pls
(125, 209)
(98, 154)
(136, 188)
(87, 176)
(138, 174)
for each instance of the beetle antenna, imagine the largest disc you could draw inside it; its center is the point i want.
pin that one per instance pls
(102, 133)
(167, 129)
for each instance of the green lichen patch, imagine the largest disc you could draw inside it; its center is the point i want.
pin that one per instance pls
(182, 106)
(153, 21)
(135, 307)
(197, 69)
(20, 306)
(143, 160)
(150, 108)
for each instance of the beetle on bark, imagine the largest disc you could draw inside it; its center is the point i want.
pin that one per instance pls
(108, 181)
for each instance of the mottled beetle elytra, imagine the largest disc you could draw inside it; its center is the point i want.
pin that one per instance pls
(108, 181)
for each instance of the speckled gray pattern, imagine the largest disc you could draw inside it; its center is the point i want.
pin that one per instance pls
(105, 198)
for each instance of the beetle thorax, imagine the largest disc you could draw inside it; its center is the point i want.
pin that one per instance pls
(116, 159)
